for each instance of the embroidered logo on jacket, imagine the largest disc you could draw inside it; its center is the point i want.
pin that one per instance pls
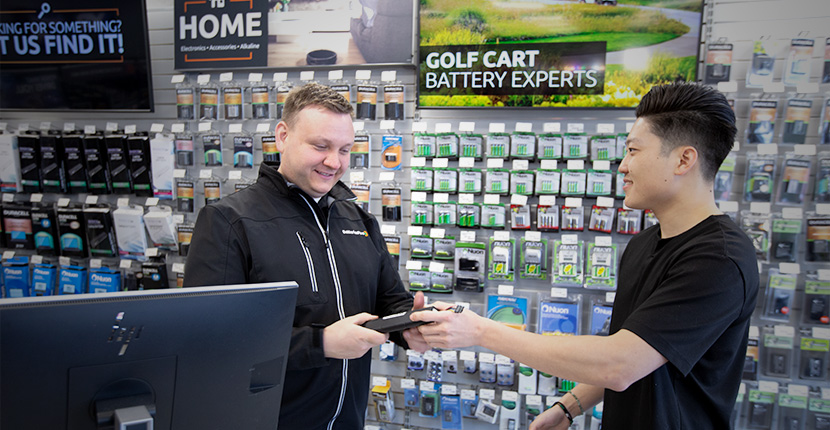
(363, 233)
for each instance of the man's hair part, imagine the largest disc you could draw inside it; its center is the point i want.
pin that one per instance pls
(314, 94)
(690, 114)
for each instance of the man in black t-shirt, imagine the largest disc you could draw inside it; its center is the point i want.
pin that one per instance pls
(687, 287)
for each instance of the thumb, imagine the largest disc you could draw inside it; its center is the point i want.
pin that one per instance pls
(418, 302)
(361, 318)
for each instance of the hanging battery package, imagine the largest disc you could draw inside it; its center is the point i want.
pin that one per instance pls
(367, 102)
(260, 97)
(470, 263)
(780, 295)
(470, 145)
(212, 144)
(550, 146)
(533, 258)
(16, 277)
(822, 189)
(521, 182)
(629, 221)
(601, 265)
(760, 172)
(522, 144)
(184, 234)
(52, 173)
(185, 101)
(44, 278)
(785, 241)
(547, 182)
(497, 181)
(469, 215)
(574, 146)
(760, 409)
(243, 151)
(560, 316)
(441, 282)
(824, 125)
(572, 219)
(281, 89)
(816, 308)
(777, 351)
(649, 219)
(573, 183)
(212, 190)
(547, 218)
(104, 280)
(232, 99)
(446, 214)
(796, 121)
(497, 145)
(420, 280)
(603, 147)
(501, 258)
(447, 145)
(493, 216)
(391, 204)
(758, 228)
(425, 144)
(470, 181)
(795, 179)
(814, 352)
(600, 324)
(118, 161)
(818, 237)
(359, 157)
(598, 183)
(761, 127)
(391, 155)
(566, 270)
(760, 70)
(270, 154)
(208, 101)
(520, 217)
(421, 179)
(601, 219)
(429, 400)
(100, 231)
(718, 64)
(363, 192)
(420, 247)
(446, 180)
(185, 193)
(393, 101)
(71, 279)
(421, 213)
(799, 58)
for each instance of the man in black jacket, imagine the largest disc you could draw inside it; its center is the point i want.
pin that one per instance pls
(300, 223)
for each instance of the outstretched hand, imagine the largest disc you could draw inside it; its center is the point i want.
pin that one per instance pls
(448, 328)
(412, 336)
(347, 339)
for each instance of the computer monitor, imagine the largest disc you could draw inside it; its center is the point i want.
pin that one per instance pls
(193, 358)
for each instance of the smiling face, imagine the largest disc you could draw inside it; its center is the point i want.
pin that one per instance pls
(649, 179)
(315, 149)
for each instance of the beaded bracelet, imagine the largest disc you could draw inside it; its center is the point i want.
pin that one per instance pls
(567, 413)
(578, 403)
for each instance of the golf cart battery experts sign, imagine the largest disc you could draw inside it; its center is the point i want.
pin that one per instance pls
(513, 69)
(221, 34)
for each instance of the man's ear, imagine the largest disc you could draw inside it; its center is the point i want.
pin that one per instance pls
(281, 133)
(687, 159)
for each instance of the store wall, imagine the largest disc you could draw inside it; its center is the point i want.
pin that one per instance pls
(740, 23)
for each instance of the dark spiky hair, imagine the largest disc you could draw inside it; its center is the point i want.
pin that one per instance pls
(691, 114)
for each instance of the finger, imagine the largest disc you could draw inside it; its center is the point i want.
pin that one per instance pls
(362, 317)
(418, 301)
(442, 306)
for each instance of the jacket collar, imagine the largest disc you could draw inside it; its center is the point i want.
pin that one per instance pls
(269, 175)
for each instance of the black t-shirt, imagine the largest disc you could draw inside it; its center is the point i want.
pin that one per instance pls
(690, 297)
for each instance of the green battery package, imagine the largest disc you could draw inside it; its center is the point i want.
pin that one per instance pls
(549, 146)
(548, 182)
(574, 146)
(421, 179)
(497, 145)
(425, 145)
(446, 180)
(603, 147)
(493, 216)
(469, 215)
(470, 181)
(447, 145)
(446, 214)
(501, 262)
(601, 266)
(566, 270)
(522, 144)
(816, 300)
(497, 181)
(471, 145)
(533, 258)
(521, 182)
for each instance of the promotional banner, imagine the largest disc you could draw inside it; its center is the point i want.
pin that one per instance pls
(553, 53)
(228, 34)
(78, 54)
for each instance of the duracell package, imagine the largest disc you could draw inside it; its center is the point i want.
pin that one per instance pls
(184, 233)
(45, 230)
(185, 103)
(208, 102)
(243, 152)
(153, 276)
(213, 191)
(393, 245)
(140, 167)
(344, 90)
(393, 100)
(51, 163)
(184, 195)
(270, 155)
(96, 164)
(796, 120)
(367, 102)
(391, 202)
(72, 232)
(74, 162)
(718, 63)
(28, 145)
(260, 101)
(17, 226)
(118, 163)
(232, 102)
(213, 149)
(100, 231)
(282, 94)
(184, 151)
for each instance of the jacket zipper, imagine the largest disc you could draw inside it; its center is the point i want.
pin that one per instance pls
(340, 311)
(311, 273)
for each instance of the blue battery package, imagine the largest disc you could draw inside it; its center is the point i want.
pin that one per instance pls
(451, 412)
(16, 277)
(43, 279)
(104, 280)
(72, 280)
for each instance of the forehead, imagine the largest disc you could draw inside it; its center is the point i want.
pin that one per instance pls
(641, 134)
(319, 123)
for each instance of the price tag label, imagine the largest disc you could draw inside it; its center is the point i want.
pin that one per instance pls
(505, 290)
(307, 75)
(263, 127)
(605, 128)
(524, 127)
(559, 293)
(576, 127)
(466, 126)
(8, 255)
(387, 124)
(151, 201)
(123, 202)
(437, 233)
(36, 198)
(441, 163)
(205, 173)
(177, 128)
(379, 381)
(335, 75)
(95, 263)
(280, 77)
(37, 259)
(235, 175)
(89, 129)
(125, 264)
(551, 127)
(407, 384)
(468, 236)
(63, 202)
(92, 200)
(177, 79)
(64, 261)
(254, 77)
(496, 127)
(419, 127)
(388, 75)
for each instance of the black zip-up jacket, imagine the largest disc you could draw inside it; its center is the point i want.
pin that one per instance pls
(272, 231)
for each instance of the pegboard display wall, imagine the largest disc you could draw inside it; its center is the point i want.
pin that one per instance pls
(490, 198)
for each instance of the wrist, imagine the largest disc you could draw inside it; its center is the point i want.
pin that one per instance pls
(570, 403)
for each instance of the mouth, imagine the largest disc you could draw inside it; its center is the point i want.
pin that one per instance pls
(326, 175)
